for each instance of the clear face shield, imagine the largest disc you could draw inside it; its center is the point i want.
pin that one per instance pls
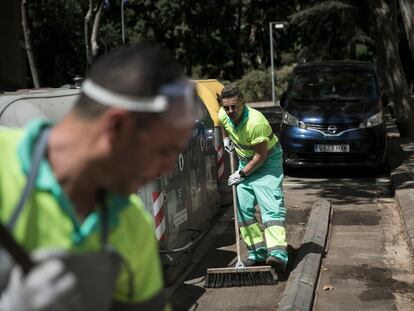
(183, 103)
(177, 101)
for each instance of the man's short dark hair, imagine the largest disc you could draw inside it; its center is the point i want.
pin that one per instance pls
(138, 70)
(231, 90)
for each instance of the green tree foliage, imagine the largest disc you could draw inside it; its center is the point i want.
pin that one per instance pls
(57, 39)
(256, 84)
(213, 39)
(332, 29)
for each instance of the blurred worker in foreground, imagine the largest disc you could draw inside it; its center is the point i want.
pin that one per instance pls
(133, 117)
(258, 179)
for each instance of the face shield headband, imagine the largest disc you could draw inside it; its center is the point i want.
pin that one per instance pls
(176, 100)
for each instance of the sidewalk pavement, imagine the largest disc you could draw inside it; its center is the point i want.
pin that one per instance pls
(401, 164)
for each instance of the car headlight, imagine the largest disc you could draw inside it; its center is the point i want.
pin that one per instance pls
(376, 119)
(292, 120)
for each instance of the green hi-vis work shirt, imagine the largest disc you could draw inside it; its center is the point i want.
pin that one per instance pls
(48, 220)
(253, 129)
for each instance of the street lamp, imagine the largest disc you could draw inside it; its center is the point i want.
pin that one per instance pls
(123, 2)
(277, 25)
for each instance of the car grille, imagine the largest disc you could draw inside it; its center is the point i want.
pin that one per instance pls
(339, 127)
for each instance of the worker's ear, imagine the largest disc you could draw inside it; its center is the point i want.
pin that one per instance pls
(117, 125)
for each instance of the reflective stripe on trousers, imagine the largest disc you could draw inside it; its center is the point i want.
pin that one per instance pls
(275, 238)
(252, 236)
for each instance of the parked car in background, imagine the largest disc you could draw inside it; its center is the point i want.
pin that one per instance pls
(333, 116)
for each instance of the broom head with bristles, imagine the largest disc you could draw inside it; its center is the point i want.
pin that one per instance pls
(236, 277)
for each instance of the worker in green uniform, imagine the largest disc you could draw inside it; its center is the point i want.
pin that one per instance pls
(258, 178)
(133, 117)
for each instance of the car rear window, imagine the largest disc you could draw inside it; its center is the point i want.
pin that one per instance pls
(317, 84)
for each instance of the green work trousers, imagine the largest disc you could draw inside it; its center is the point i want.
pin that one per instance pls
(263, 187)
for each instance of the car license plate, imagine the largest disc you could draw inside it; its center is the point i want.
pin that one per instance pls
(331, 148)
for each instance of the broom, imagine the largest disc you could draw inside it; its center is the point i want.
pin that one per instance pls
(240, 275)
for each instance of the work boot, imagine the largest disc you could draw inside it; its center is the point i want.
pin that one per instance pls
(277, 264)
(251, 263)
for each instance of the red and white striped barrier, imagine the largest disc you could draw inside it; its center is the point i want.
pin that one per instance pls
(220, 161)
(158, 201)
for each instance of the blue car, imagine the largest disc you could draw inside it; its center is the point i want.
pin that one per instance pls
(333, 116)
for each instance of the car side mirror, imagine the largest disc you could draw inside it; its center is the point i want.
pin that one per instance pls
(384, 99)
(282, 100)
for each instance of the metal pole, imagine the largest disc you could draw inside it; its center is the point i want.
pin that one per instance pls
(122, 21)
(271, 62)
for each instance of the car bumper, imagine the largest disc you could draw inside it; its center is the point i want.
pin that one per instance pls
(367, 147)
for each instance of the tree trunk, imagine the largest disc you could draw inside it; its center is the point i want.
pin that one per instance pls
(86, 32)
(95, 29)
(393, 74)
(30, 56)
(407, 12)
(237, 52)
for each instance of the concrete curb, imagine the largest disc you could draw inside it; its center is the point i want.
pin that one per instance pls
(300, 288)
(403, 184)
(401, 161)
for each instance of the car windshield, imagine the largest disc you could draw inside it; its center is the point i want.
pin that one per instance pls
(332, 84)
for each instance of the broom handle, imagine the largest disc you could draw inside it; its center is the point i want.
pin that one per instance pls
(17, 252)
(236, 224)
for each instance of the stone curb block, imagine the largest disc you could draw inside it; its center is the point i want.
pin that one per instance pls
(403, 184)
(300, 288)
